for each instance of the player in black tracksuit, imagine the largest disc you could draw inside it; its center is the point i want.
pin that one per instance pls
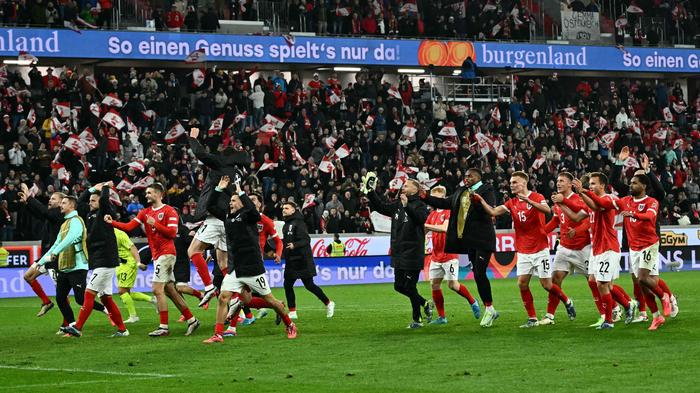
(103, 258)
(246, 271)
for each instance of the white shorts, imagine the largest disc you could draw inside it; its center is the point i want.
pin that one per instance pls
(212, 232)
(100, 280)
(537, 264)
(163, 269)
(237, 284)
(647, 258)
(572, 261)
(605, 267)
(448, 270)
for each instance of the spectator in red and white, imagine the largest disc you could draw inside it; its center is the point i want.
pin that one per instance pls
(174, 19)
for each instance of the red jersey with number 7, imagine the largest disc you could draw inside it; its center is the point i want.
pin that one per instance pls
(439, 217)
(529, 224)
(640, 233)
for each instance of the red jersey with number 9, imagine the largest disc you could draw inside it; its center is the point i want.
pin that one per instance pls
(439, 217)
(529, 223)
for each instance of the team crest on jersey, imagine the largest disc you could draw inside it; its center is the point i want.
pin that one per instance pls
(160, 216)
(260, 228)
(641, 207)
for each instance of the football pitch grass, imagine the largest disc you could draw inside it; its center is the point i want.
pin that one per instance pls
(364, 348)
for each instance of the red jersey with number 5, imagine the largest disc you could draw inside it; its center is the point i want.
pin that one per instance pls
(640, 233)
(603, 233)
(158, 242)
(439, 217)
(529, 223)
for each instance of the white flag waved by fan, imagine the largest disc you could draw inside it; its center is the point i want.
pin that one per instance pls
(88, 139)
(27, 57)
(95, 109)
(196, 56)
(394, 92)
(217, 124)
(448, 130)
(31, 117)
(198, 77)
(538, 162)
(114, 119)
(124, 185)
(309, 201)
(138, 165)
(176, 131)
(267, 165)
(277, 122)
(114, 197)
(429, 144)
(63, 109)
(74, 144)
(409, 131)
(343, 151)
(326, 165)
(111, 100)
(143, 183)
(608, 139)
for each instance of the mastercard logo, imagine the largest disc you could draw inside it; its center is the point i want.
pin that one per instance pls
(445, 54)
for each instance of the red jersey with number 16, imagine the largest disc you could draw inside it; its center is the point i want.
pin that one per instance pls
(439, 217)
(603, 233)
(529, 223)
(158, 242)
(640, 233)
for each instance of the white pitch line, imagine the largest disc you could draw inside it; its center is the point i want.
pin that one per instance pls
(39, 385)
(77, 370)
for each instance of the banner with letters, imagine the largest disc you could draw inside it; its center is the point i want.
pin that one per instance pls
(580, 26)
(129, 45)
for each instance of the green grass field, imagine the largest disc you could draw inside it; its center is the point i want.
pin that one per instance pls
(365, 348)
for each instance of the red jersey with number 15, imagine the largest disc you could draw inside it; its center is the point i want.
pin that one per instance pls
(640, 233)
(603, 233)
(158, 242)
(529, 223)
(439, 217)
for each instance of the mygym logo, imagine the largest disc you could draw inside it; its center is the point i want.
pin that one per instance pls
(671, 238)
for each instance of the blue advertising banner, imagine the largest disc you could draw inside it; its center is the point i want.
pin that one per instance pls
(340, 51)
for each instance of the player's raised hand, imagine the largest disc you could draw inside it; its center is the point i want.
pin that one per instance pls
(194, 132)
(578, 186)
(624, 153)
(404, 200)
(476, 198)
(290, 246)
(108, 184)
(645, 163)
(23, 187)
(98, 187)
(142, 266)
(524, 199)
(224, 182)
(557, 198)
(278, 259)
(627, 213)
(108, 219)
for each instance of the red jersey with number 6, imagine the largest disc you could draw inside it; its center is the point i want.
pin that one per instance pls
(640, 233)
(439, 217)
(529, 223)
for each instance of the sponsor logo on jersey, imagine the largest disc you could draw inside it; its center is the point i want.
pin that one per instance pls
(670, 238)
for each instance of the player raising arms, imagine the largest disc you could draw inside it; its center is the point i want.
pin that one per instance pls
(605, 249)
(246, 271)
(574, 241)
(444, 265)
(528, 209)
(160, 225)
(639, 211)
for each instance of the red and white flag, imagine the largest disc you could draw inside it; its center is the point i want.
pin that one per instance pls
(268, 128)
(679, 108)
(74, 144)
(538, 162)
(330, 141)
(239, 117)
(198, 77)
(31, 117)
(496, 115)
(309, 201)
(112, 100)
(608, 139)
(448, 130)
(143, 183)
(484, 142)
(571, 123)
(343, 151)
(130, 126)
(267, 165)
(429, 183)
(585, 126)
(26, 56)
(95, 109)
(114, 119)
(296, 156)
(149, 114)
(196, 56)
(332, 98)
(409, 8)
(57, 127)
(497, 146)
(326, 165)
(668, 116)
(124, 185)
(633, 9)
(660, 135)
(631, 163)
(460, 109)
(429, 144)
(216, 125)
(138, 165)
(176, 131)
(342, 11)
(61, 172)
(369, 121)
(88, 139)
(114, 197)
(570, 111)
(90, 79)
(277, 122)
(63, 109)
(397, 183)
(450, 146)
(394, 92)
(409, 131)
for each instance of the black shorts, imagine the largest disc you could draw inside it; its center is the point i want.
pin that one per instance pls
(182, 271)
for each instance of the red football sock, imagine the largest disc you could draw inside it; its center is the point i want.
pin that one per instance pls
(85, 310)
(258, 302)
(639, 296)
(664, 287)
(609, 304)
(249, 315)
(556, 289)
(292, 309)
(439, 301)
(620, 296)
(202, 269)
(197, 294)
(487, 304)
(163, 317)
(464, 292)
(657, 291)
(528, 302)
(219, 329)
(114, 312)
(651, 302)
(286, 320)
(65, 322)
(36, 287)
(552, 303)
(186, 313)
(596, 296)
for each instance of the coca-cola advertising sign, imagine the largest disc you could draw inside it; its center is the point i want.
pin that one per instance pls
(355, 245)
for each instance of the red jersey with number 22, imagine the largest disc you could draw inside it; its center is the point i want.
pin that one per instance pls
(159, 243)
(640, 233)
(603, 232)
(529, 223)
(439, 217)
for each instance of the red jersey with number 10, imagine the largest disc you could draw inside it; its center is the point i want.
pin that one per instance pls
(439, 217)
(640, 233)
(158, 242)
(529, 223)
(604, 235)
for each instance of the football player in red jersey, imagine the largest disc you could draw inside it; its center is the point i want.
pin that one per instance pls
(640, 211)
(442, 265)
(574, 242)
(160, 223)
(528, 209)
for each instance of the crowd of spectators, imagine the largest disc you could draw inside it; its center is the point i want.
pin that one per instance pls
(549, 125)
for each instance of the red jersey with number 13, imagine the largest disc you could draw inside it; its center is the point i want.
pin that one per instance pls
(158, 242)
(439, 217)
(529, 223)
(640, 233)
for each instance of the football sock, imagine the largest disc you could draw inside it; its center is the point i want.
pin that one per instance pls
(140, 296)
(129, 303)
(552, 303)
(163, 319)
(114, 312)
(639, 296)
(36, 287)
(664, 287)
(286, 320)
(85, 310)
(528, 302)
(596, 297)
(258, 302)
(439, 302)
(464, 292)
(619, 295)
(219, 329)
(202, 269)
(651, 303)
(187, 314)
(609, 304)
(556, 289)
(197, 294)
